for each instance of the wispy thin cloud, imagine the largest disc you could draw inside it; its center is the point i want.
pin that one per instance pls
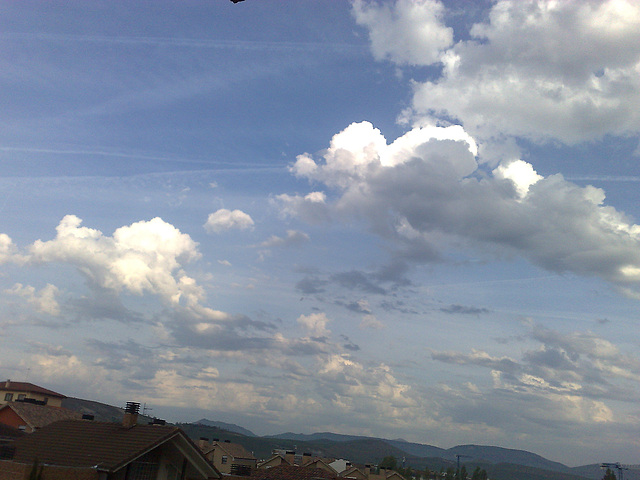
(187, 42)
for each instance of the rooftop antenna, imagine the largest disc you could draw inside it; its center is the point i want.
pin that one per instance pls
(146, 409)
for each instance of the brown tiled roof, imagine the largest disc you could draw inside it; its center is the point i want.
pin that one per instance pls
(234, 449)
(28, 388)
(37, 416)
(292, 472)
(7, 431)
(82, 443)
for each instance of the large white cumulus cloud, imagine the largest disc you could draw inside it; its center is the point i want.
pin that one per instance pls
(426, 186)
(537, 69)
(144, 257)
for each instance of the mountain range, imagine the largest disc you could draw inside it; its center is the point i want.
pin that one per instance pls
(500, 463)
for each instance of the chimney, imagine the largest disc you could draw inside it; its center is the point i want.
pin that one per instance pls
(289, 456)
(130, 414)
(87, 416)
(7, 384)
(203, 443)
(367, 470)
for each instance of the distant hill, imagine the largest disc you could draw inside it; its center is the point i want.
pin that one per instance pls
(301, 437)
(101, 411)
(595, 472)
(506, 455)
(500, 463)
(230, 427)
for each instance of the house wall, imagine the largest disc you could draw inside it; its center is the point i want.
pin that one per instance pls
(51, 401)
(216, 455)
(11, 418)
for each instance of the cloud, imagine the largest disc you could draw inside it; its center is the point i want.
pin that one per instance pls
(7, 248)
(44, 301)
(316, 324)
(311, 285)
(579, 364)
(426, 192)
(407, 32)
(293, 238)
(144, 257)
(576, 82)
(311, 207)
(356, 280)
(224, 219)
(370, 321)
(465, 310)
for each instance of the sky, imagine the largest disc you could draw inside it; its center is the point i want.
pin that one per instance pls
(403, 219)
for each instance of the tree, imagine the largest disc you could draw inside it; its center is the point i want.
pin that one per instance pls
(463, 473)
(389, 462)
(609, 475)
(479, 474)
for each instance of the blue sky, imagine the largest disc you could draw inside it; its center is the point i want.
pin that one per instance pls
(400, 219)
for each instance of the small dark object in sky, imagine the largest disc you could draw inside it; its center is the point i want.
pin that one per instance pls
(236, 1)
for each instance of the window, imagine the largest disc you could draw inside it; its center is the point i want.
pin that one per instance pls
(139, 470)
(21, 396)
(8, 397)
(224, 459)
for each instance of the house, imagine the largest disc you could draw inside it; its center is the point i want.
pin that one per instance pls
(28, 417)
(382, 474)
(274, 461)
(228, 458)
(15, 391)
(290, 457)
(88, 450)
(353, 473)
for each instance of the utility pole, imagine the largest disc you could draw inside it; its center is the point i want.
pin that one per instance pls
(458, 455)
(617, 466)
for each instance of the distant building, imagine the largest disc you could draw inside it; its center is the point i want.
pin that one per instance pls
(20, 391)
(228, 458)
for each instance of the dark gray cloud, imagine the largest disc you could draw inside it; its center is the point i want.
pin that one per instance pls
(357, 280)
(349, 345)
(464, 310)
(311, 285)
(102, 304)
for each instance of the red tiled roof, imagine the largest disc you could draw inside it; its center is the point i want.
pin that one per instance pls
(292, 472)
(28, 388)
(82, 443)
(37, 416)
